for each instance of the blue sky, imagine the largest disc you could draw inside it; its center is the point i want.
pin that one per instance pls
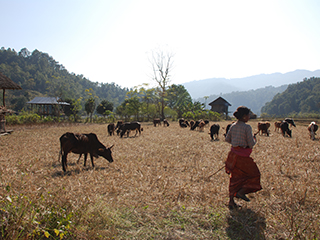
(111, 41)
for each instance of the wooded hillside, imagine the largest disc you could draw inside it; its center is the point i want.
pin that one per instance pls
(299, 98)
(40, 75)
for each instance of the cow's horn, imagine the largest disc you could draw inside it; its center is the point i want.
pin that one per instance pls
(111, 146)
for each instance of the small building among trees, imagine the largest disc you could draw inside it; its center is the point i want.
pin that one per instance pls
(47, 106)
(220, 105)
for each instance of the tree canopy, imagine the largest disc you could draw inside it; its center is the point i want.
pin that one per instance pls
(299, 98)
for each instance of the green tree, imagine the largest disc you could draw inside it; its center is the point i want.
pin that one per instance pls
(178, 99)
(90, 104)
(133, 106)
(103, 107)
(74, 108)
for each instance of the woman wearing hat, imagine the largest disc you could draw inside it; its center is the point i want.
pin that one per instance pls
(244, 173)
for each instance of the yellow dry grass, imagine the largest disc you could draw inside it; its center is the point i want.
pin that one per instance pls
(157, 186)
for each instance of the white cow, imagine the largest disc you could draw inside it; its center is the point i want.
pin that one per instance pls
(312, 128)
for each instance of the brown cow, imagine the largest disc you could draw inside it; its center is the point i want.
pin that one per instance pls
(83, 144)
(263, 128)
(312, 128)
(156, 122)
(201, 125)
(277, 126)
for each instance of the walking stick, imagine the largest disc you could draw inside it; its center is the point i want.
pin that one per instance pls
(208, 178)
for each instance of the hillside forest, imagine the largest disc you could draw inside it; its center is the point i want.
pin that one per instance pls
(300, 99)
(40, 75)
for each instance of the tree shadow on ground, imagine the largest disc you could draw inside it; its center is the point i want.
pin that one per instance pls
(245, 224)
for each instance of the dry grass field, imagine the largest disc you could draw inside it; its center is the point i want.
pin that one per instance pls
(156, 188)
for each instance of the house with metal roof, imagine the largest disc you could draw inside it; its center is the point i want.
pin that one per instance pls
(48, 106)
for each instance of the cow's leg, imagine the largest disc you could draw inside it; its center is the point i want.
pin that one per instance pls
(64, 162)
(79, 158)
(85, 159)
(91, 156)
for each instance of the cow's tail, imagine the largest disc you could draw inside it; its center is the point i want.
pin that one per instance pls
(60, 153)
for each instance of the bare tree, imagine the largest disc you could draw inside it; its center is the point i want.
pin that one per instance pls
(162, 66)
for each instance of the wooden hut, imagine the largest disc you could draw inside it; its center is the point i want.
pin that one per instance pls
(220, 105)
(5, 83)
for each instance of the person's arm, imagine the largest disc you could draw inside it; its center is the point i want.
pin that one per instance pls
(228, 137)
(250, 138)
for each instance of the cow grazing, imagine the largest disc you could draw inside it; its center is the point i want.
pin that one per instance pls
(183, 123)
(111, 128)
(201, 125)
(166, 123)
(130, 126)
(285, 129)
(263, 128)
(83, 144)
(214, 131)
(227, 129)
(192, 123)
(290, 121)
(277, 126)
(156, 122)
(312, 128)
(119, 123)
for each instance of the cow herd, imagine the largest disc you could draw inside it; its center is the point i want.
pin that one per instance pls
(89, 143)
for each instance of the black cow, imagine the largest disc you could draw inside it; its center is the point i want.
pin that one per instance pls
(83, 144)
(183, 123)
(111, 129)
(166, 123)
(130, 126)
(290, 120)
(227, 129)
(196, 124)
(285, 129)
(214, 131)
(119, 123)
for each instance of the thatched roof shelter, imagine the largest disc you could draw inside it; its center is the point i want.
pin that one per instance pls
(7, 83)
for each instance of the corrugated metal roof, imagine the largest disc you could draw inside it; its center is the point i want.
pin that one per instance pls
(46, 101)
(219, 101)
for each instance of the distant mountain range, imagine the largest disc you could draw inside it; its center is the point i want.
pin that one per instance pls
(219, 86)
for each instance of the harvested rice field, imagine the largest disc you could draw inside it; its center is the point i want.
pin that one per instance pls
(158, 187)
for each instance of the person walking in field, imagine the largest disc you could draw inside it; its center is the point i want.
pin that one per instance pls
(244, 173)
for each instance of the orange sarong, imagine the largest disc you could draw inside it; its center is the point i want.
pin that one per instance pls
(244, 173)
